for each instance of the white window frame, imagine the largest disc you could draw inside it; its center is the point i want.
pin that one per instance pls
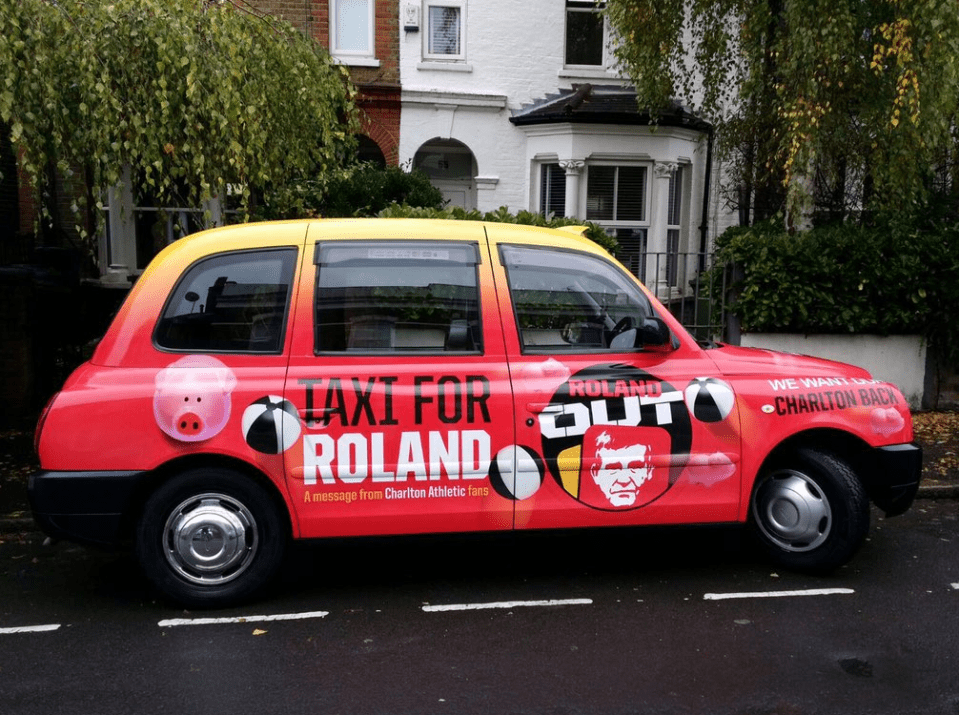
(363, 57)
(444, 57)
(598, 5)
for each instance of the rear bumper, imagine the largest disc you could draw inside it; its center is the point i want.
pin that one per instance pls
(85, 507)
(891, 475)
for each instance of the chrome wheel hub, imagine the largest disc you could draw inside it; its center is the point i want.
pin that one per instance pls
(210, 539)
(792, 511)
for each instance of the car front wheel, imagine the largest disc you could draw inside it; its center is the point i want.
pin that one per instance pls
(810, 511)
(210, 537)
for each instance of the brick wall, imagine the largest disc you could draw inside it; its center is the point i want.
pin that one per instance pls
(296, 12)
(379, 87)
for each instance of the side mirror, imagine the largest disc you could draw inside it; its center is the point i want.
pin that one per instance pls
(654, 333)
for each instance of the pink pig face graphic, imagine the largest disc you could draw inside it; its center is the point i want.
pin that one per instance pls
(191, 400)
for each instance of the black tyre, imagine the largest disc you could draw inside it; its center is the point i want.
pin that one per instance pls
(210, 538)
(810, 511)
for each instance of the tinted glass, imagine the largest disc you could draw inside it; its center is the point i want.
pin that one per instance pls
(398, 296)
(233, 302)
(570, 301)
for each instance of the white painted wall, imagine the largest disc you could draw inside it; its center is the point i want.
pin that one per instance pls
(514, 57)
(899, 359)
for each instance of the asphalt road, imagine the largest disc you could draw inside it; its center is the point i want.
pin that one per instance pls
(643, 621)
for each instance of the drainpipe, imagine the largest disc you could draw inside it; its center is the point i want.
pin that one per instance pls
(704, 223)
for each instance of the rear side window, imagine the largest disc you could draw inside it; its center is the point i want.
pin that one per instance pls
(397, 296)
(570, 302)
(232, 302)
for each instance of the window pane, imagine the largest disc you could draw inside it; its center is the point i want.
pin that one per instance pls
(444, 37)
(584, 37)
(352, 25)
(675, 197)
(552, 190)
(235, 302)
(157, 228)
(569, 301)
(631, 251)
(631, 193)
(397, 296)
(600, 183)
(672, 257)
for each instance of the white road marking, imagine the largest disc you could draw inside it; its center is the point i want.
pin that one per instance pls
(778, 594)
(955, 586)
(242, 619)
(30, 629)
(508, 604)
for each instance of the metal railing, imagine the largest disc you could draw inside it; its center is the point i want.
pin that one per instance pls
(692, 288)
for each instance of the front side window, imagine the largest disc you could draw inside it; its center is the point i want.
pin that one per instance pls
(584, 33)
(351, 28)
(397, 296)
(445, 30)
(571, 302)
(233, 302)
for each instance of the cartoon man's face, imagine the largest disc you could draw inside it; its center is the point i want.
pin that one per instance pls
(621, 471)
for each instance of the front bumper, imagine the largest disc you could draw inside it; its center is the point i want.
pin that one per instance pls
(891, 475)
(85, 507)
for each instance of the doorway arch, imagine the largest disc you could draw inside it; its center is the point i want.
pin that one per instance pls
(451, 168)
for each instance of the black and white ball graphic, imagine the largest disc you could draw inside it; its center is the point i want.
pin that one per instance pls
(516, 472)
(271, 425)
(709, 399)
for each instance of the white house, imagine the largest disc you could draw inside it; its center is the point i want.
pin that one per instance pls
(507, 104)
(520, 105)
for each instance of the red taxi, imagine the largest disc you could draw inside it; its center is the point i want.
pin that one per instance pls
(371, 377)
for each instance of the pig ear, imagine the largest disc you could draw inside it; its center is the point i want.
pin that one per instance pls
(227, 379)
(162, 378)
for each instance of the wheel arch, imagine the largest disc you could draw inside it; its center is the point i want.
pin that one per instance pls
(168, 470)
(845, 445)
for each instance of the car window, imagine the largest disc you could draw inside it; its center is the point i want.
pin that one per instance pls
(232, 302)
(568, 301)
(390, 296)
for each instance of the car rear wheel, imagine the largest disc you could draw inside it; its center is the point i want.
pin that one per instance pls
(810, 511)
(210, 537)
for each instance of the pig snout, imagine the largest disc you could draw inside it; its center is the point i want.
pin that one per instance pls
(188, 424)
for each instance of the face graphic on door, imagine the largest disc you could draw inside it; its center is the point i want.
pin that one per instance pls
(611, 434)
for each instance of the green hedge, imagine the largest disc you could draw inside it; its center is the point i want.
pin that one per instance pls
(895, 279)
(357, 190)
(594, 232)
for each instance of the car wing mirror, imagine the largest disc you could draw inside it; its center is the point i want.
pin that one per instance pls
(653, 333)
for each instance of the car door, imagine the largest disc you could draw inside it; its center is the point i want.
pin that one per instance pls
(619, 433)
(399, 381)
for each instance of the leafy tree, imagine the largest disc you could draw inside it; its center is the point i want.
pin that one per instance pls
(192, 95)
(851, 102)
